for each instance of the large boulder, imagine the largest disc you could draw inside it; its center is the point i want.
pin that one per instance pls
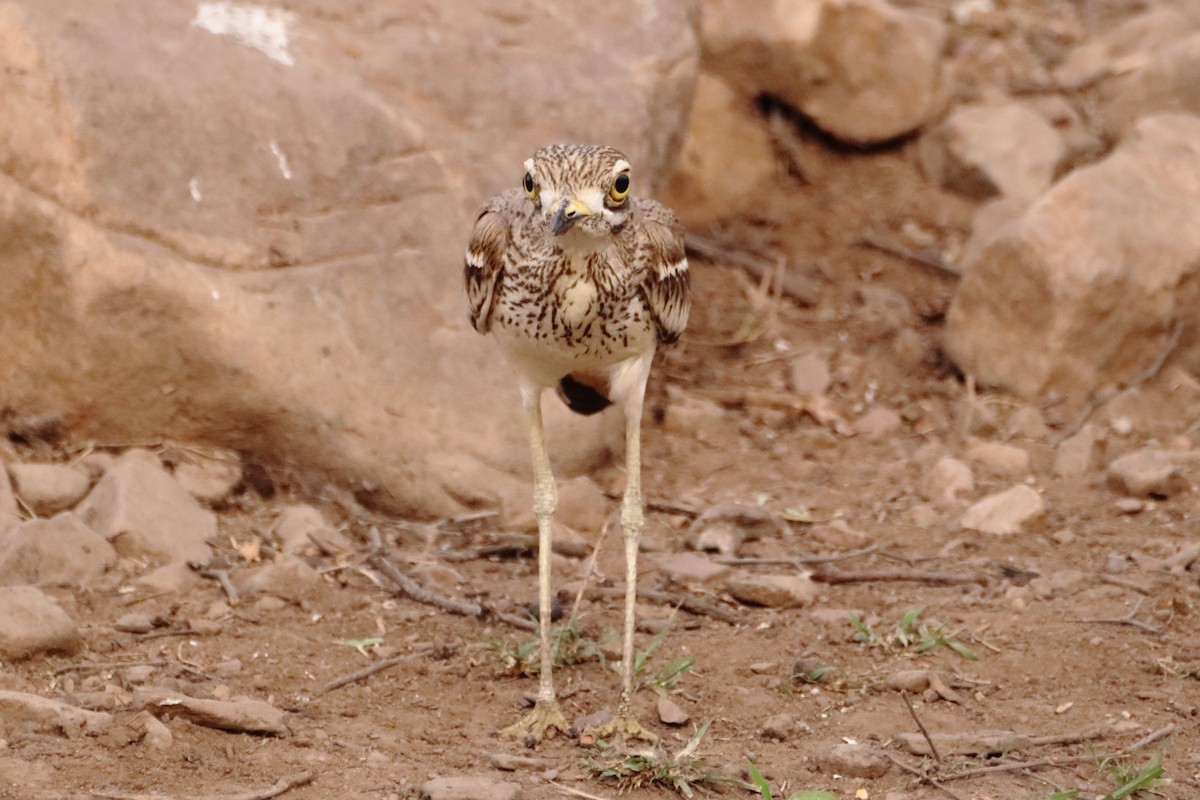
(861, 70)
(1086, 288)
(244, 227)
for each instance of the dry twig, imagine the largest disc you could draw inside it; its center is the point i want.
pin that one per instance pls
(896, 576)
(921, 726)
(274, 790)
(925, 258)
(368, 671)
(221, 576)
(409, 588)
(1130, 619)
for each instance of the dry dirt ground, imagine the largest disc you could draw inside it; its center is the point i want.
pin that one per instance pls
(1078, 623)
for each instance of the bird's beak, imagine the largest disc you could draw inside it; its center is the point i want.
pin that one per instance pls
(566, 213)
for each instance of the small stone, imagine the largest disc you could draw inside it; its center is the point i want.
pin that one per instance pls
(582, 505)
(174, 578)
(48, 488)
(59, 550)
(439, 577)
(143, 512)
(209, 480)
(779, 727)
(724, 527)
(876, 423)
(1001, 459)
(1074, 456)
(470, 787)
(1027, 422)
(945, 480)
(21, 712)
(135, 622)
(211, 627)
(1060, 583)
(287, 578)
(855, 761)
(8, 501)
(303, 530)
(670, 713)
(773, 591)
(1065, 536)
(1004, 512)
(153, 733)
(241, 714)
(923, 515)
(1130, 505)
(810, 375)
(1146, 473)
(689, 567)
(31, 623)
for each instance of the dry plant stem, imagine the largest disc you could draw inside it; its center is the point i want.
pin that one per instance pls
(757, 266)
(922, 776)
(924, 258)
(897, 576)
(795, 561)
(921, 726)
(699, 606)
(414, 591)
(368, 671)
(100, 666)
(274, 790)
(1129, 619)
(221, 576)
(576, 792)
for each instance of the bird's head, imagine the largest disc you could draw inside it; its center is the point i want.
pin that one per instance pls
(579, 190)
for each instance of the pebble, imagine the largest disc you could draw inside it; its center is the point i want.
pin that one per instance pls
(855, 761)
(174, 578)
(303, 530)
(810, 375)
(1004, 512)
(948, 477)
(60, 550)
(1074, 456)
(1057, 584)
(582, 505)
(1146, 473)
(209, 480)
(152, 732)
(670, 713)
(8, 500)
(1027, 422)
(1001, 459)
(773, 591)
(135, 622)
(287, 578)
(31, 623)
(48, 488)
(21, 712)
(876, 423)
(688, 568)
(470, 787)
(779, 727)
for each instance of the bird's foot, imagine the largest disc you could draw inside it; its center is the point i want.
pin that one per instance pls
(624, 726)
(544, 722)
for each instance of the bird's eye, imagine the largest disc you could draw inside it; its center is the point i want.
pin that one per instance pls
(619, 190)
(530, 186)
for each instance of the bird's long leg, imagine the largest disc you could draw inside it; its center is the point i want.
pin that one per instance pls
(547, 718)
(624, 724)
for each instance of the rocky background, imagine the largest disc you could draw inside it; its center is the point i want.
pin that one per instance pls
(945, 259)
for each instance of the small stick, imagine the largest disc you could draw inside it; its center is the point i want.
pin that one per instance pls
(100, 666)
(896, 576)
(408, 587)
(577, 792)
(921, 725)
(366, 672)
(1129, 619)
(692, 604)
(758, 266)
(922, 776)
(221, 576)
(924, 258)
(276, 789)
(1126, 583)
(794, 561)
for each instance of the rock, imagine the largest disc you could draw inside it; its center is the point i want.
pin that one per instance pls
(1112, 243)
(303, 530)
(993, 743)
(48, 488)
(780, 727)
(855, 761)
(32, 623)
(727, 137)
(669, 712)
(174, 578)
(1000, 459)
(239, 714)
(1073, 458)
(287, 578)
(8, 501)
(982, 151)
(825, 59)
(209, 480)
(1004, 512)
(1027, 422)
(144, 513)
(582, 505)
(58, 550)
(1165, 81)
(810, 375)
(1059, 583)
(470, 787)
(688, 568)
(134, 622)
(1125, 47)
(22, 713)
(150, 731)
(773, 591)
(1146, 473)
(236, 268)
(876, 423)
(945, 480)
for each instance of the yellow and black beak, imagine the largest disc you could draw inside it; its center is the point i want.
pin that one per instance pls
(566, 213)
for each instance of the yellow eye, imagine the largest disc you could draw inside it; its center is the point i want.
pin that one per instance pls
(619, 189)
(530, 187)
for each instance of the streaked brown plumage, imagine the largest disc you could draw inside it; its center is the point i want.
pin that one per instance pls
(579, 282)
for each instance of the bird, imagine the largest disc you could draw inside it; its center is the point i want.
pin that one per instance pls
(579, 280)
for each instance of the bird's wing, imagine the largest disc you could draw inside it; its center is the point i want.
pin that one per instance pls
(483, 267)
(666, 285)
